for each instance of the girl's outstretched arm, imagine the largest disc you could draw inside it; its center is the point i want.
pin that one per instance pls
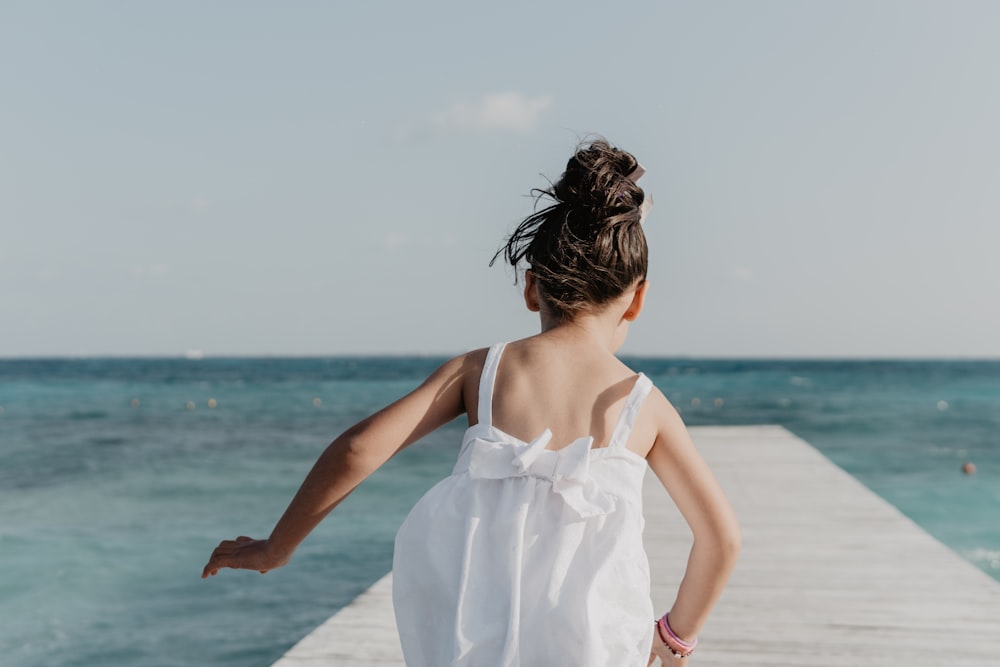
(717, 538)
(345, 463)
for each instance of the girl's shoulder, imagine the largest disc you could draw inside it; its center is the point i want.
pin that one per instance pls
(542, 355)
(465, 370)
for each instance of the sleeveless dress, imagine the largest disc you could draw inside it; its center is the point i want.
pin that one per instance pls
(525, 556)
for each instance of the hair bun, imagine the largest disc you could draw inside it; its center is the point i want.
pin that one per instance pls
(597, 181)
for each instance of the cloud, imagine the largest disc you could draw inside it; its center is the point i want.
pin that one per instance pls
(510, 111)
(741, 273)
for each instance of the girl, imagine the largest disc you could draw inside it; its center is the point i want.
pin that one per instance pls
(531, 552)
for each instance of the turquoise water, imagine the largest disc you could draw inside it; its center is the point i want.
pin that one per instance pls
(108, 510)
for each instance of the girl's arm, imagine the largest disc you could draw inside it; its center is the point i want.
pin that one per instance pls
(345, 463)
(703, 504)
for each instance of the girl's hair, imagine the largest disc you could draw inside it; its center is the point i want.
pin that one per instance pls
(587, 247)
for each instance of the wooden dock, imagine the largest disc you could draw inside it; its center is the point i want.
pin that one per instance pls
(830, 575)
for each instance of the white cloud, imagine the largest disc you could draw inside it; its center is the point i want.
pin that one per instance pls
(510, 111)
(741, 273)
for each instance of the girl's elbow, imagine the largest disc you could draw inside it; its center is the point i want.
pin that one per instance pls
(726, 543)
(732, 544)
(349, 454)
(729, 536)
(358, 456)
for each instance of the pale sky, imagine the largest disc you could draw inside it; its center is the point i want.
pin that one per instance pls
(333, 178)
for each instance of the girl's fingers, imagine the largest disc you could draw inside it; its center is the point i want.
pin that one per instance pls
(218, 560)
(242, 553)
(228, 546)
(212, 567)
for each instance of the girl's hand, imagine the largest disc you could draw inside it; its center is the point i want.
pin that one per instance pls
(670, 660)
(667, 659)
(243, 553)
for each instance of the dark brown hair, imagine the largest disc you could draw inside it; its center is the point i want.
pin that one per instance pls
(587, 247)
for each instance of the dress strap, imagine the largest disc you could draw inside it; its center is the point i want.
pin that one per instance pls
(486, 381)
(619, 437)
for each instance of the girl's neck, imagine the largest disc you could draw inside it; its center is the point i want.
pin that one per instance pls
(606, 329)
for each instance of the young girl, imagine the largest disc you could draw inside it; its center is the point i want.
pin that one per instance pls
(531, 552)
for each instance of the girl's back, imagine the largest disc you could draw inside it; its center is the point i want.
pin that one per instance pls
(573, 388)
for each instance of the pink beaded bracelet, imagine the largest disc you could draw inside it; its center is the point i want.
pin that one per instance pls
(677, 646)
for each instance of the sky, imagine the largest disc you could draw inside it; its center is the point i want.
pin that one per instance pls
(322, 178)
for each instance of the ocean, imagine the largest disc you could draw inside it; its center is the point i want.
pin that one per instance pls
(119, 476)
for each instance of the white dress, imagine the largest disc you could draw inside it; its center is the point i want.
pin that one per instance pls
(525, 556)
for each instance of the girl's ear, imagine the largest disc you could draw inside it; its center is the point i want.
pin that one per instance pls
(638, 300)
(531, 297)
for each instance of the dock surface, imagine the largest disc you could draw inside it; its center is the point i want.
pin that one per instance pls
(830, 574)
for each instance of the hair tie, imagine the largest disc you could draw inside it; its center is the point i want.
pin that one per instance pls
(647, 201)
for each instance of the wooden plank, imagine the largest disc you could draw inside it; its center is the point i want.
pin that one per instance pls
(362, 634)
(830, 574)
